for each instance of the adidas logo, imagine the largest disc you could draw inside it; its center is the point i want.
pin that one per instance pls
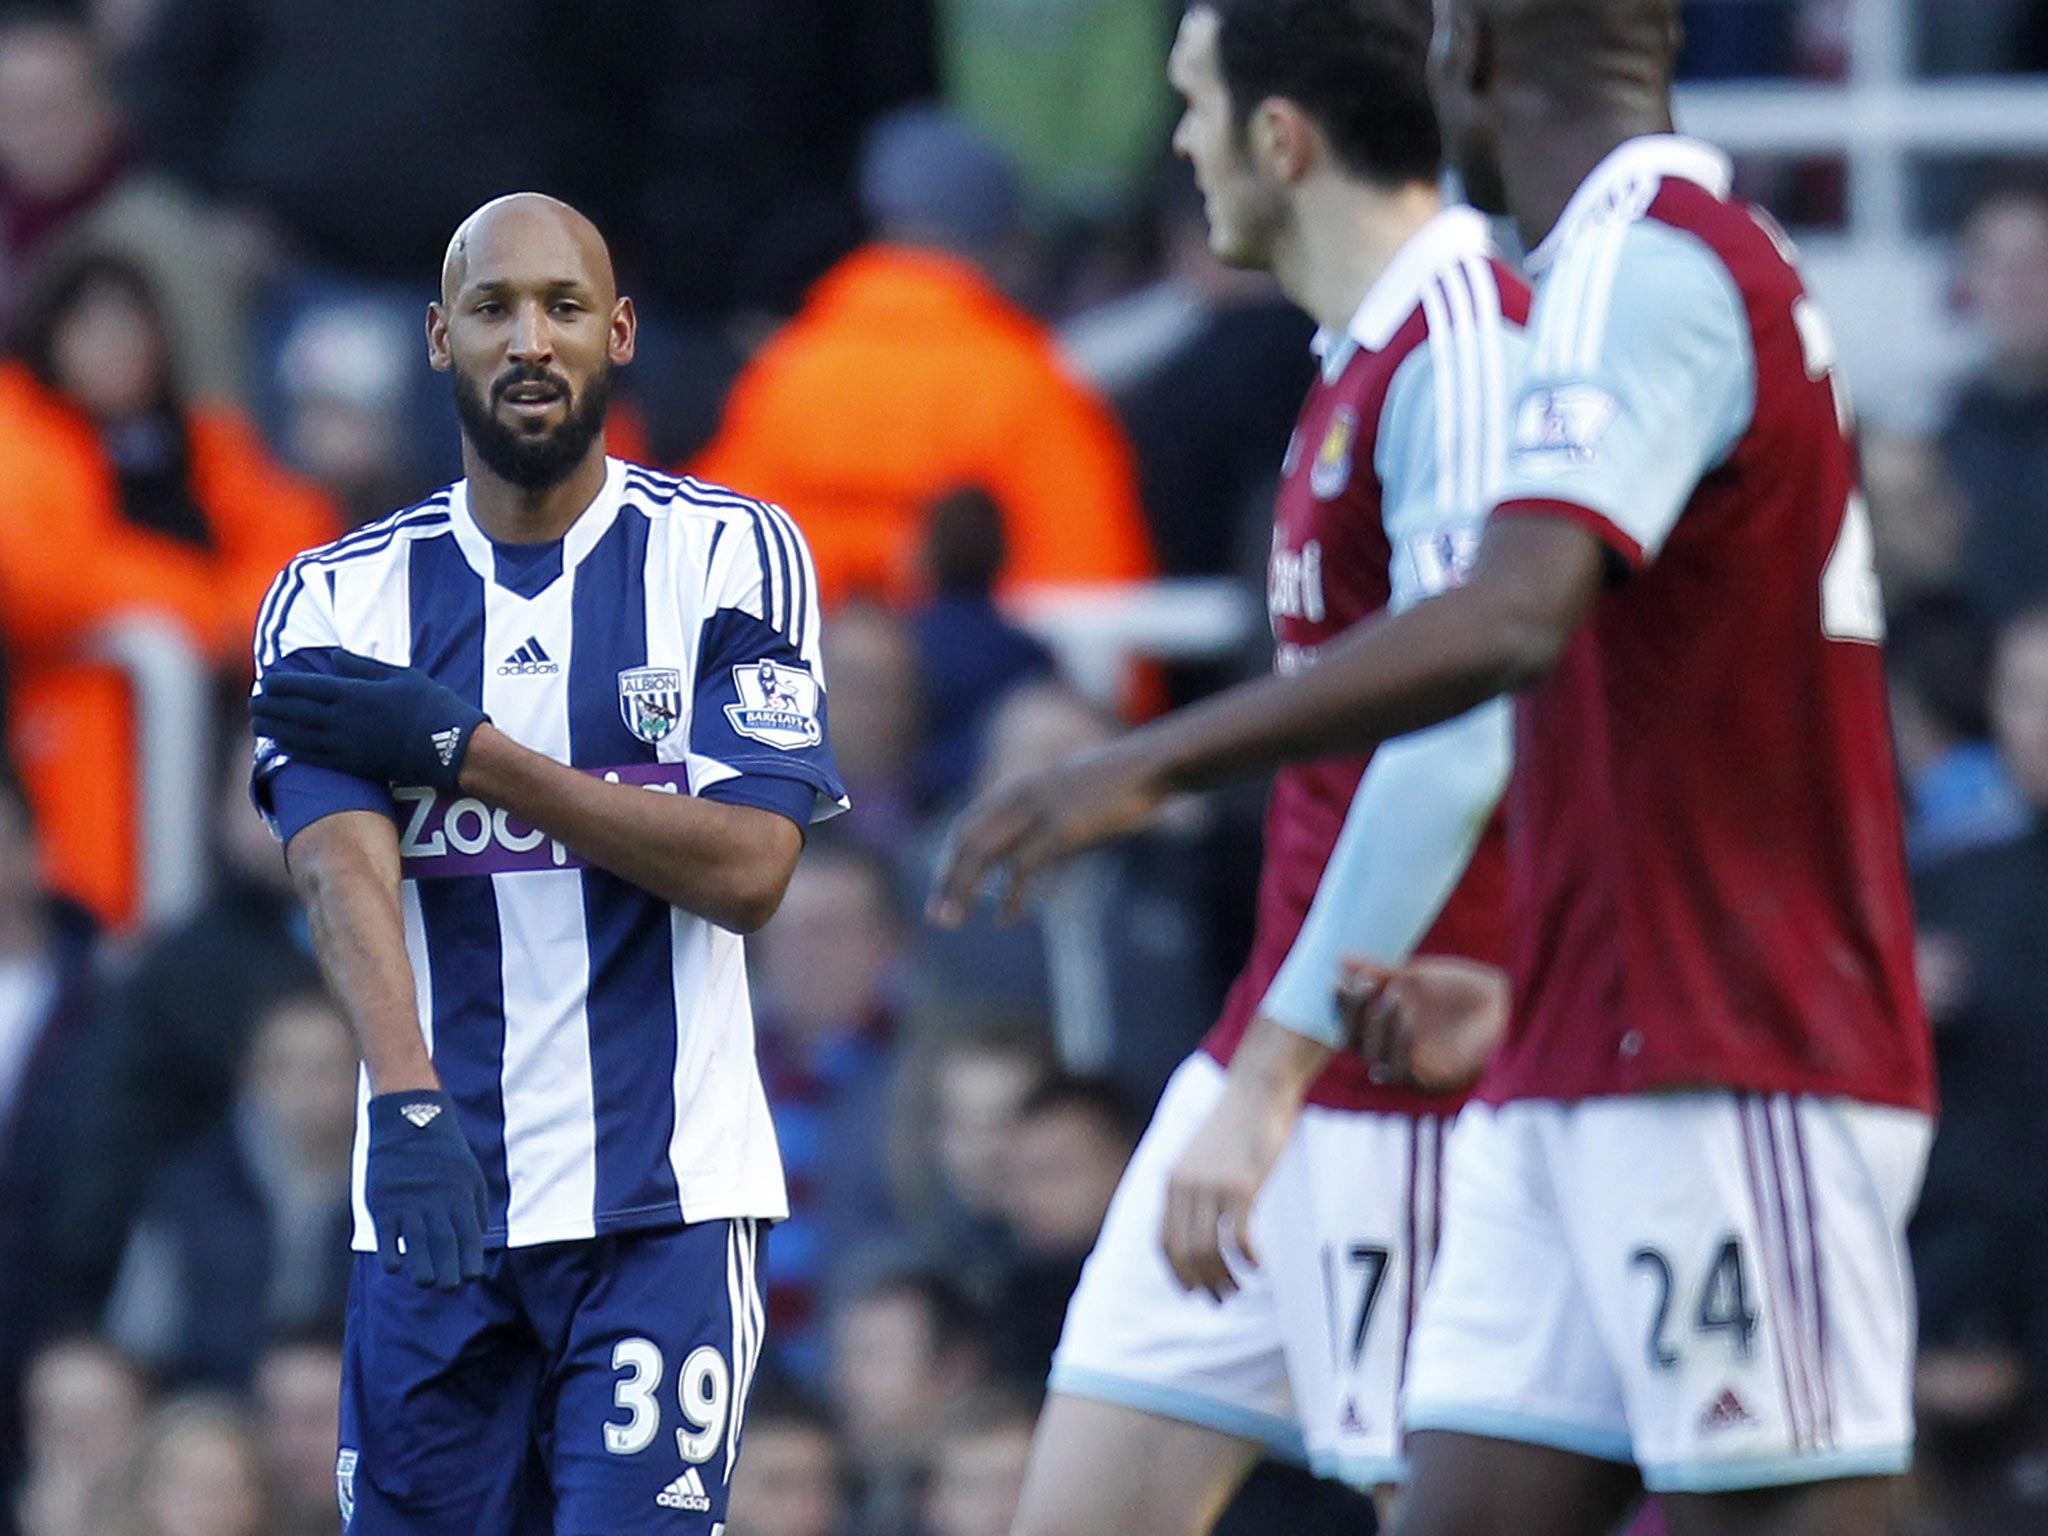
(1725, 1412)
(421, 1115)
(685, 1493)
(444, 744)
(528, 661)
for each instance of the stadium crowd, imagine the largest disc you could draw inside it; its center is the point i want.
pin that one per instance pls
(922, 272)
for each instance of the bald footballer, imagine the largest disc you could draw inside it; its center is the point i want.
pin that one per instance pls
(541, 749)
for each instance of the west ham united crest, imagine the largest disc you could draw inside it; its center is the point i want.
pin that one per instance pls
(651, 701)
(1331, 471)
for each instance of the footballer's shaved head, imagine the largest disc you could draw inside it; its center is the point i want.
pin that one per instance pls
(522, 219)
(1632, 39)
(1533, 94)
(530, 323)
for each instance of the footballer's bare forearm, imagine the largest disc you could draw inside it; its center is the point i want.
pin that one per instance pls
(726, 863)
(1277, 1065)
(346, 869)
(1396, 674)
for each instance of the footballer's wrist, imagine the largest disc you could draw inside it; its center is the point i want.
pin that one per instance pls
(1276, 1065)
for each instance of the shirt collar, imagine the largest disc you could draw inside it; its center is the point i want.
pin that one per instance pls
(1449, 237)
(590, 525)
(1628, 177)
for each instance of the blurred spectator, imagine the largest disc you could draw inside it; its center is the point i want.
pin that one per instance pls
(754, 118)
(170, 1040)
(1997, 434)
(1982, 37)
(978, 1467)
(1067, 1150)
(83, 1404)
(1980, 1250)
(343, 377)
(197, 1472)
(964, 1083)
(245, 1237)
(1958, 793)
(67, 179)
(1116, 950)
(825, 970)
(366, 147)
(298, 1413)
(1916, 514)
(1207, 369)
(1072, 89)
(969, 656)
(907, 1351)
(46, 999)
(789, 1482)
(871, 672)
(124, 501)
(908, 373)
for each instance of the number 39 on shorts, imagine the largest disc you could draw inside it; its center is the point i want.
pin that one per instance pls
(703, 1398)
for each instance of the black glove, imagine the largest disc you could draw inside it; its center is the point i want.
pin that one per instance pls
(425, 1186)
(391, 725)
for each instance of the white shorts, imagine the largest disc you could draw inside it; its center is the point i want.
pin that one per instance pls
(1307, 1358)
(1711, 1285)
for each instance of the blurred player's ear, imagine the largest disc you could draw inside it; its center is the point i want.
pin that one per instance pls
(625, 332)
(1284, 139)
(437, 339)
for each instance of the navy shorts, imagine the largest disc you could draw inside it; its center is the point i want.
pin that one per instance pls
(588, 1388)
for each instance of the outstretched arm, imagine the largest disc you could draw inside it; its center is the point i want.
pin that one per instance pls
(1534, 580)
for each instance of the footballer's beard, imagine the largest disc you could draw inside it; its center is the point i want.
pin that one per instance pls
(533, 461)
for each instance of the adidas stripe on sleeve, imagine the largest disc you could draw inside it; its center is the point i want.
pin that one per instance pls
(1640, 380)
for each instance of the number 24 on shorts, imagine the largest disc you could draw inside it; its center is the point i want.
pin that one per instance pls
(703, 1394)
(1722, 1306)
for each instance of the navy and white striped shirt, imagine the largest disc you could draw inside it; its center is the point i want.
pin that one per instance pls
(597, 1042)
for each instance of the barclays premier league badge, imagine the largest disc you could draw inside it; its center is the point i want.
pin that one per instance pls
(778, 706)
(1331, 471)
(651, 701)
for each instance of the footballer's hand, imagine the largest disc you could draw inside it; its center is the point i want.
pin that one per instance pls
(391, 725)
(1431, 1024)
(1013, 832)
(425, 1190)
(1210, 1192)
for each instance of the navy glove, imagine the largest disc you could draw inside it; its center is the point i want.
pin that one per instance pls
(391, 725)
(424, 1185)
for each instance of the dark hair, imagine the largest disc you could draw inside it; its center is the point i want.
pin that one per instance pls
(776, 1404)
(55, 290)
(1096, 1096)
(1939, 650)
(955, 1320)
(1357, 67)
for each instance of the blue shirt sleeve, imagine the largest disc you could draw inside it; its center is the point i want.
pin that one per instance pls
(293, 795)
(761, 714)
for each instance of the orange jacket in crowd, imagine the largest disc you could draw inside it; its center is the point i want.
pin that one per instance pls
(69, 563)
(908, 375)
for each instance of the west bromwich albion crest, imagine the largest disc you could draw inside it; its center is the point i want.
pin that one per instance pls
(778, 706)
(1331, 471)
(651, 701)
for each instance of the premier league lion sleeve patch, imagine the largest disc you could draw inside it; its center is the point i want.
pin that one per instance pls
(759, 727)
